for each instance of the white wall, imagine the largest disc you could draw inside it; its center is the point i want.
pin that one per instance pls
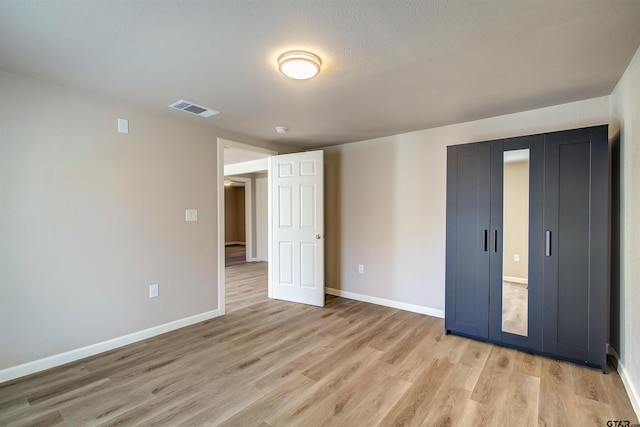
(89, 218)
(385, 204)
(625, 122)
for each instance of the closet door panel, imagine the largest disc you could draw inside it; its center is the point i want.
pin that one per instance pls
(467, 271)
(572, 240)
(575, 247)
(531, 338)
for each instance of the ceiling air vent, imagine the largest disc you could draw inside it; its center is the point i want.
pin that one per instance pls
(192, 108)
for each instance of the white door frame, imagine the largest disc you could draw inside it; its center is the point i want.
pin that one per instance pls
(262, 219)
(221, 144)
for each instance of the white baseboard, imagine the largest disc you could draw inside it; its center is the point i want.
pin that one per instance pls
(386, 302)
(234, 243)
(632, 391)
(93, 349)
(514, 279)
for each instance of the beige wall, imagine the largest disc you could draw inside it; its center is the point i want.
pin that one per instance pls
(234, 214)
(89, 218)
(385, 202)
(516, 220)
(625, 124)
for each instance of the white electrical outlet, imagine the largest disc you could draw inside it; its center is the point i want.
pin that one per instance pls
(153, 290)
(360, 268)
(516, 257)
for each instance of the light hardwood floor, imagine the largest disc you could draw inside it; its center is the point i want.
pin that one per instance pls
(246, 285)
(349, 364)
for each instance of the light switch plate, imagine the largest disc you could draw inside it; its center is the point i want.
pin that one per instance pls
(153, 290)
(191, 215)
(123, 125)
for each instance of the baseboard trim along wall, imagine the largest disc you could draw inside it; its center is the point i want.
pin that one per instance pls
(632, 392)
(386, 302)
(93, 349)
(634, 396)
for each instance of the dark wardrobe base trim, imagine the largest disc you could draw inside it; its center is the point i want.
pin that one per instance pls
(528, 350)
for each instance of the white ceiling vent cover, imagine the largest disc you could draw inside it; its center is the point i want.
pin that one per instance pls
(192, 108)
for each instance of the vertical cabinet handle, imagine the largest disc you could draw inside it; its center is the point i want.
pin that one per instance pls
(495, 240)
(485, 245)
(547, 245)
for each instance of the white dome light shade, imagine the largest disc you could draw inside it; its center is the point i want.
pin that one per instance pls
(299, 65)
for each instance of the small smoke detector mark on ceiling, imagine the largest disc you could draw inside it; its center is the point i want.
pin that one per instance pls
(192, 108)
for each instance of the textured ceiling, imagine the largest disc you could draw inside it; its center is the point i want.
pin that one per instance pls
(390, 66)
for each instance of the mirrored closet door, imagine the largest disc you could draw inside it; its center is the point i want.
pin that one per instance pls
(516, 202)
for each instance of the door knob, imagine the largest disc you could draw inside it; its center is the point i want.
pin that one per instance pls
(318, 236)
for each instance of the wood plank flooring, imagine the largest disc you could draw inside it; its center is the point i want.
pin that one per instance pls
(246, 284)
(273, 363)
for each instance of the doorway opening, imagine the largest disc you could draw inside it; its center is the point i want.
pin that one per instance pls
(242, 225)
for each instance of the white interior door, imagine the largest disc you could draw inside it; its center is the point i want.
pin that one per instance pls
(297, 232)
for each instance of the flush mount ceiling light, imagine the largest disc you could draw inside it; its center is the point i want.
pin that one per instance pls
(299, 65)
